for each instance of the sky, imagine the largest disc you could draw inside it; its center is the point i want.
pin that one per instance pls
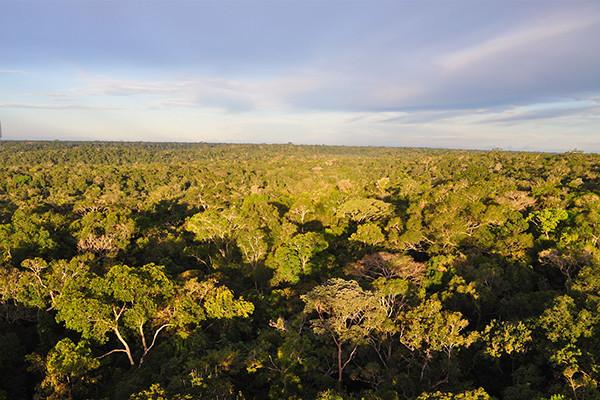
(516, 75)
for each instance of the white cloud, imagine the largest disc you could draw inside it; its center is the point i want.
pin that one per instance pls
(458, 129)
(203, 92)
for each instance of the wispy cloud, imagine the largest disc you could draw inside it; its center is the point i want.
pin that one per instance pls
(577, 109)
(533, 33)
(55, 107)
(12, 71)
(545, 112)
(230, 95)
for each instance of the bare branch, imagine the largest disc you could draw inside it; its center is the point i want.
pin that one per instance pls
(111, 352)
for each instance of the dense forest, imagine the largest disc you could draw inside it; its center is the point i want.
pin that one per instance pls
(212, 271)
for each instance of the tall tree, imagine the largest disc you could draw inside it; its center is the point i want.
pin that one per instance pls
(347, 314)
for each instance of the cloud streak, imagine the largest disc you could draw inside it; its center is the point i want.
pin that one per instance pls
(12, 71)
(56, 107)
(532, 34)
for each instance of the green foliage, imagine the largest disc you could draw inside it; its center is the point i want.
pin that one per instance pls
(125, 302)
(294, 259)
(344, 310)
(369, 234)
(363, 210)
(329, 395)
(66, 369)
(103, 231)
(548, 219)
(429, 328)
(253, 245)
(220, 303)
(478, 394)
(346, 313)
(505, 338)
(187, 271)
(26, 235)
(213, 225)
(156, 392)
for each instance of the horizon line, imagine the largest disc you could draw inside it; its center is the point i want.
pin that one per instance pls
(474, 149)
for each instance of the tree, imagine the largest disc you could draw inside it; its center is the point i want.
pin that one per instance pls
(363, 210)
(569, 328)
(254, 248)
(104, 231)
(253, 245)
(127, 304)
(501, 337)
(66, 370)
(346, 313)
(156, 392)
(369, 234)
(301, 210)
(27, 235)
(548, 219)
(387, 265)
(293, 259)
(216, 226)
(429, 329)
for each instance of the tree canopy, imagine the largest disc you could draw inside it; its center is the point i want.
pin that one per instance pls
(204, 271)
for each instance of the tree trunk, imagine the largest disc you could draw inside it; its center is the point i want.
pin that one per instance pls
(340, 365)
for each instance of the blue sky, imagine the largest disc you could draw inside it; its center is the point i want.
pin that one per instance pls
(466, 74)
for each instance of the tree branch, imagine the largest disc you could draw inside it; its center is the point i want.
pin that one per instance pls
(143, 337)
(111, 352)
(147, 350)
(126, 349)
(350, 357)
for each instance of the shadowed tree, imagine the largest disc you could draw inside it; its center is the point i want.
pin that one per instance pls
(294, 259)
(216, 226)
